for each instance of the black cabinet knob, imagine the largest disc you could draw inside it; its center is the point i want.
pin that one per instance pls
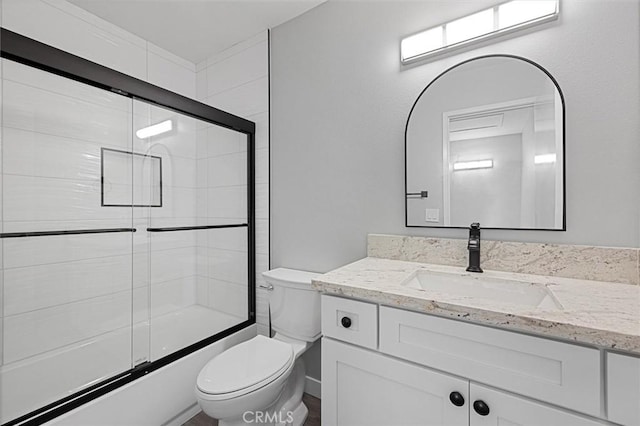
(456, 399)
(481, 407)
(346, 322)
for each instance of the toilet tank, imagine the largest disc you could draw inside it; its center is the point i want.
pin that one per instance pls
(294, 305)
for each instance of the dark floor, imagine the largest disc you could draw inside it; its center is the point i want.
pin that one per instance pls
(312, 403)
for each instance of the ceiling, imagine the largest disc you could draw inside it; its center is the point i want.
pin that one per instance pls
(196, 29)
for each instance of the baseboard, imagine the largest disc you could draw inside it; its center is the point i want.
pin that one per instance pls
(183, 417)
(313, 387)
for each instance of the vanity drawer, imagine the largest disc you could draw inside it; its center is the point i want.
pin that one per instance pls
(559, 373)
(623, 389)
(350, 321)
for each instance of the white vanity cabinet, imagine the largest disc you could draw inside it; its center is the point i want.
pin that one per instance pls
(427, 370)
(623, 389)
(362, 387)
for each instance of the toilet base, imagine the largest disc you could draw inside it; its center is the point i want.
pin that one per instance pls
(288, 410)
(299, 415)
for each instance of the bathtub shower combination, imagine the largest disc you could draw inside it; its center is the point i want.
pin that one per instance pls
(127, 229)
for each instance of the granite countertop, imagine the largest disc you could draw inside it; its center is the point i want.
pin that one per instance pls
(593, 312)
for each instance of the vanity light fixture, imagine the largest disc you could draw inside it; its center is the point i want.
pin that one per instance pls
(471, 165)
(154, 130)
(544, 159)
(489, 23)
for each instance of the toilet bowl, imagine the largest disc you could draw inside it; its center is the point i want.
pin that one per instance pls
(261, 381)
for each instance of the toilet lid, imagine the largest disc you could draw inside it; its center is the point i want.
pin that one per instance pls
(243, 366)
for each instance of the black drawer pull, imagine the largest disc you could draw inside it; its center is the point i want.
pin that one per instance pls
(481, 407)
(456, 399)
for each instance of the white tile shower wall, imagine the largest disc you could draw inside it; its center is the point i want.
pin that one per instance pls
(236, 80)
(41, 168)
(72, 29)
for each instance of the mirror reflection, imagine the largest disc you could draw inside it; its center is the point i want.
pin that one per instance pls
(485, 143)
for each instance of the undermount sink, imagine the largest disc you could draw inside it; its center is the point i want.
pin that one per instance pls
(478, 286)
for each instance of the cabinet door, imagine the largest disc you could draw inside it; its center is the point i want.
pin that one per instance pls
(360, 387)
(508, 410)
(623, 389)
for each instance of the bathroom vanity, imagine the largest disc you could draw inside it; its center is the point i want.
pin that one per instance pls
(412, 343)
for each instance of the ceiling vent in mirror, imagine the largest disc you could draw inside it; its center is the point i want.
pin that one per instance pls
(489, 23)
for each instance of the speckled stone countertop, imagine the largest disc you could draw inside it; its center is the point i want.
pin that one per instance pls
(593, 312)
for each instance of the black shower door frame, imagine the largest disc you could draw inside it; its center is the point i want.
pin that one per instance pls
(33, 53)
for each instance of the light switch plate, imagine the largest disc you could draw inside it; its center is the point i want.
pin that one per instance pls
(432, 215)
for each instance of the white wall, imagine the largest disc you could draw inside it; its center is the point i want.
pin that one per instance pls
(340, 100)
(237, 80)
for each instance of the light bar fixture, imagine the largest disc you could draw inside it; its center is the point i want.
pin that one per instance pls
(154, 130)
(544, 159)
(472, 165)
(489, 23)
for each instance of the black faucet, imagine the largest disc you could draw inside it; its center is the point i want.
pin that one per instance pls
(474, 248)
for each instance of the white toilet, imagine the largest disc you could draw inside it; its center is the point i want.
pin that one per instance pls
(261, 381)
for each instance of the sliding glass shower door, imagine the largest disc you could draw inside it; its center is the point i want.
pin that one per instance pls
(194, 243)
(66, 259)
(125, 236)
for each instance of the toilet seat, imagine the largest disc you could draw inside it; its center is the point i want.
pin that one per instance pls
(245, 368)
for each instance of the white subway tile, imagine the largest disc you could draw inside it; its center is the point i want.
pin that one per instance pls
(62, 225)
(172, 264)
(49, 82)
(179, 172)
(30, 108)
(92, 19)
(20, 252)
(262, 236)
(227, 202)
(178, 60)
(221, 141)
(244, 67)
(176, 202)
(262, 129)
(140, 304)
(237, 48)
(50, 25)
(160, 241)
(62, 325)
(48, 199)
(228, 239)
(37, 287)
(68, 370)
(262, 166)
(249, 99)
(228, 265)
(172, 295)
(202, 290)
(227, 170)
(201, 84)
(229, 298)
(170, 75)
(38, 154)
(262, 201)
(141, 343)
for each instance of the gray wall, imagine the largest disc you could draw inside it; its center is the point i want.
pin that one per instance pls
(340, 99)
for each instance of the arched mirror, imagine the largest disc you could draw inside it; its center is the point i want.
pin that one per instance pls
(484, 143)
